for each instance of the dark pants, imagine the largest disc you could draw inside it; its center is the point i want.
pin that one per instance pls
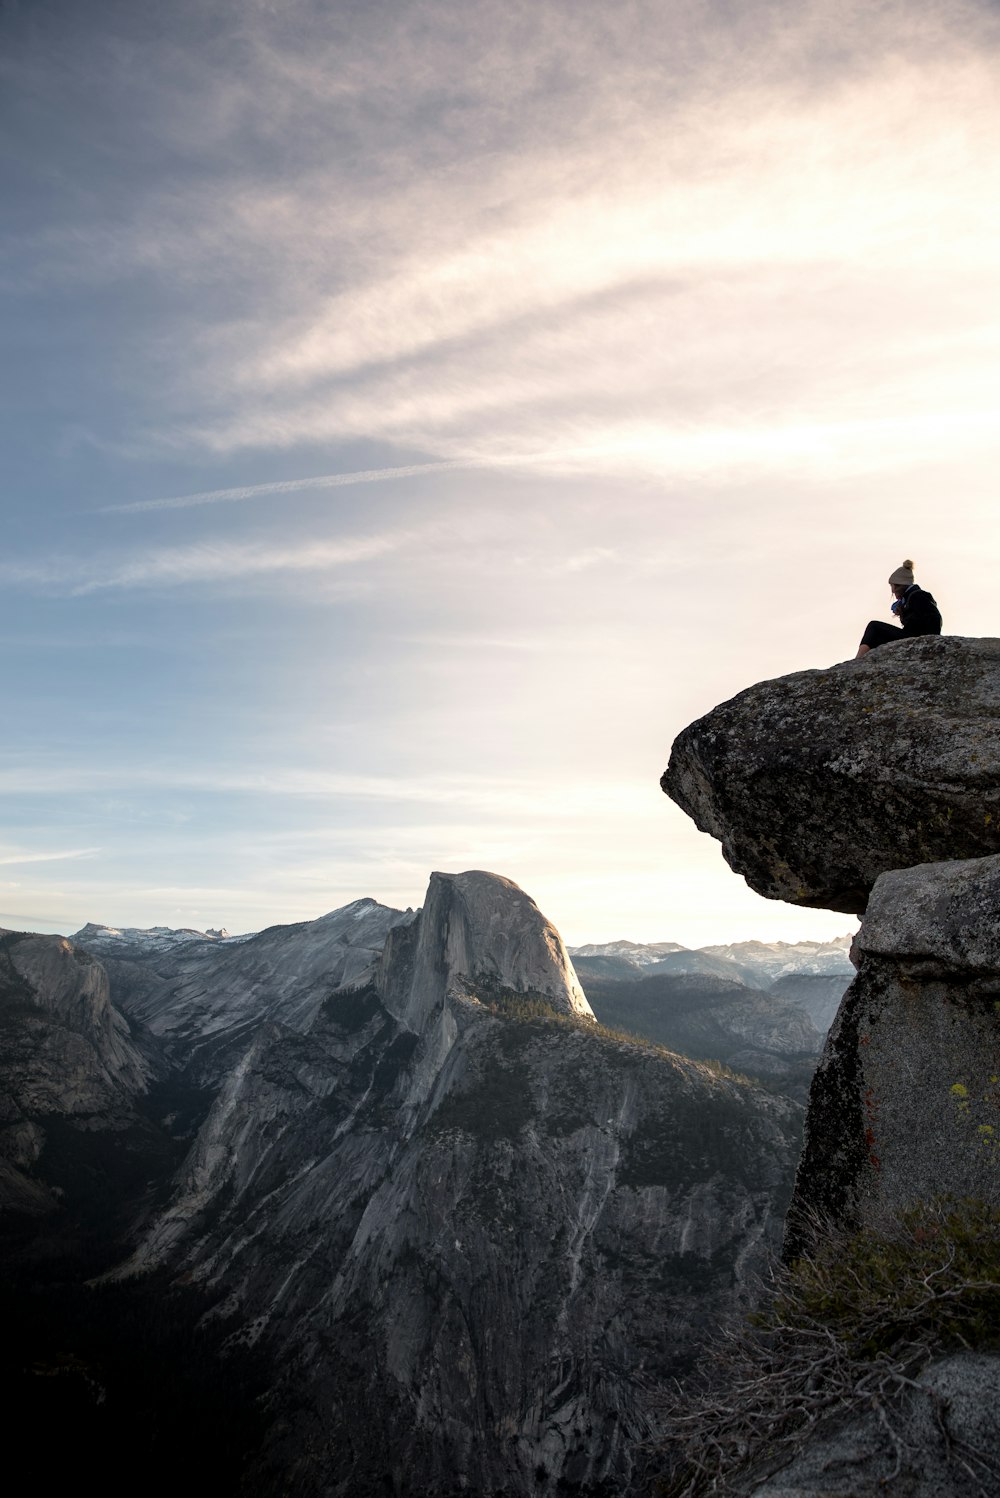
(880, 633)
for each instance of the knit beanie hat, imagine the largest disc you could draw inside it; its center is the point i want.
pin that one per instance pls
(902, 577)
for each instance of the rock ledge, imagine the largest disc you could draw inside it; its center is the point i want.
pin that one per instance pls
(817, 783)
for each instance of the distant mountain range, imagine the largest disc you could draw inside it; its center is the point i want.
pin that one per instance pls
(762, 1008)
(757, 964)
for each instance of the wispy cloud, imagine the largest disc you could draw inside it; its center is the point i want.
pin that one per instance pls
(502, 796)
(722, 226)
(22, 920)
(718, 355)
(207, 562)
(9, 858)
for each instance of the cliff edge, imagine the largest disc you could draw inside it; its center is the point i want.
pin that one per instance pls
(817, 783)
(874, 787)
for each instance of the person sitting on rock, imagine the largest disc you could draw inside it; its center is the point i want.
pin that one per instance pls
(916, 610)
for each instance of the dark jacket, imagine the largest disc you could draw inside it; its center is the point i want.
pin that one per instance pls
(919, 614)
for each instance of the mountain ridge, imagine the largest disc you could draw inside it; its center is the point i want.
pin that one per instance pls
(468, 1228)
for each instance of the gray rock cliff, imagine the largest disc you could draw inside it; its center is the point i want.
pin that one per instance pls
(477, 931)
(815, 784)
(874, 787)
(472, 1230)
(905, 1105)
(68, 1061)
(204, 1000)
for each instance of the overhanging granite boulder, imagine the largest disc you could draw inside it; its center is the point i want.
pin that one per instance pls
(817, 783)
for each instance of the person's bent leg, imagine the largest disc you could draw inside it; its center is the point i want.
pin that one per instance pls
(878, 633)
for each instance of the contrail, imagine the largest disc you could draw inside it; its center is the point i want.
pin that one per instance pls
(293, 486)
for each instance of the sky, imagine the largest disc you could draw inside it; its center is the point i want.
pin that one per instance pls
(414, 414)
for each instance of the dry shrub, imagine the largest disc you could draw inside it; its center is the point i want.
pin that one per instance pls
(846, 1329)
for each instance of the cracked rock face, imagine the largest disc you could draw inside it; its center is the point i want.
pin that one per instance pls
(483, 1277)
(469, 1231)
(817, 783)
(477, 930)
(472, 1231)
(874, 787)
(68, 1060)
(204, 1001)
(905, 1105)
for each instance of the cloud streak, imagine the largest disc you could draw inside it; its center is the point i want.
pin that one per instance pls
(730, 295)
(502, 797)
(293, 486)
(754, 217)
(7, 859)
(204, 563)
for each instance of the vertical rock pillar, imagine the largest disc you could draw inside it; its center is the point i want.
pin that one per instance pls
(905, 1106)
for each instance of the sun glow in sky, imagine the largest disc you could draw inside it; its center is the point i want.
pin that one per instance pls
(416, 413)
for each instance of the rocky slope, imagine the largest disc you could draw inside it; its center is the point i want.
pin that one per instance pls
(747, 1029)
(768, 1029)
(468, 1231)
(771, 961)
(817, 783)
(817, 996)
(762, 1008)
(70, 1069)
(469, 1226)
(203, 999)
(111, 941)
(637, 952)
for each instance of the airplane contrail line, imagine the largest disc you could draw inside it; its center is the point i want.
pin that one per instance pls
(294, 486)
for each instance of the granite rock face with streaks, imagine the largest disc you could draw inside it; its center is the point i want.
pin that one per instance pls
(817, 783)
(472, 1230)
(68, 1060)
(469, 1231)
(205, 1000)
(481, 930)
(905, 1105)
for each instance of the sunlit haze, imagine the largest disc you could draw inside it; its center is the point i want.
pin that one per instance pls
(416, 413)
